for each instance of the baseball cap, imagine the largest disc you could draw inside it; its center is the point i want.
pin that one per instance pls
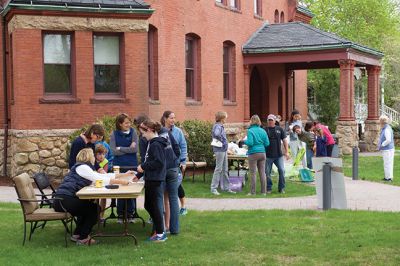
(271, 116)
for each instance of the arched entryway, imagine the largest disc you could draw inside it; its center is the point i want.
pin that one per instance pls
(258, 93)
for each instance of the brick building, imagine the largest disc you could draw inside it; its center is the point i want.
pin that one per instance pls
(67, 62)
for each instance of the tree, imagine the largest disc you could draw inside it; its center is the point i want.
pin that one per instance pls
(373, 23)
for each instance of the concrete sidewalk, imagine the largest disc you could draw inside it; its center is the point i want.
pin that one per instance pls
(361, 195)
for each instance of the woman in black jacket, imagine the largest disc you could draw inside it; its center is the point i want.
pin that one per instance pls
(154, 168)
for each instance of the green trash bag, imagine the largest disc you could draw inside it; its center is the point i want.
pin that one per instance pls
(306, 175)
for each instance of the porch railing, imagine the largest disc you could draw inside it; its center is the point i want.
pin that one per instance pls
(391, 113)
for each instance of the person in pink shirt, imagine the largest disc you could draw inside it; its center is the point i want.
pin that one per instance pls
(330, 142)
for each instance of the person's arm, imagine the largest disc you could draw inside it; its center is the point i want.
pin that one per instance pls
(266, 144)
(285, 144)
(133, 147)
(250, 139)
(183, 147)
(388, 137)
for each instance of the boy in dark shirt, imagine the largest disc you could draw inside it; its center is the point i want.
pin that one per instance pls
(274, 155)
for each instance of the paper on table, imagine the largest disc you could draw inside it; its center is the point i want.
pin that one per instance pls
(95, 188)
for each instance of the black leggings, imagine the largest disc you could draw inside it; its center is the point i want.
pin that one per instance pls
(84, 210)
(181, 192)
(154, 204)
(329, 149)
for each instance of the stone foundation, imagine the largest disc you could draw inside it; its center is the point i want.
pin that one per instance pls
(346, 131)
(32, 151)
(371, 134)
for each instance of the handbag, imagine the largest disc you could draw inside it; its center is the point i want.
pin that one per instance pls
(216, 143)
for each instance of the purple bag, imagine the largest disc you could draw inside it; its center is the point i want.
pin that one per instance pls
(236, 183)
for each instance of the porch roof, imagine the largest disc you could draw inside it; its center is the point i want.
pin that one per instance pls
(297, 42)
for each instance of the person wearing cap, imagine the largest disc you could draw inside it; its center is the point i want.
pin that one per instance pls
(386, 145)
(276, 136)
(294, 142)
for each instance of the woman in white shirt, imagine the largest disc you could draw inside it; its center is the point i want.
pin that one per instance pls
(82, 174)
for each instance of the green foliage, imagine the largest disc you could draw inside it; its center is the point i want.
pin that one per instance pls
(198, 137)
(325, 84)
(374, 23)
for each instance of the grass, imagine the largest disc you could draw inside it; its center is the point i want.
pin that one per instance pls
(200, 189)
(371, 168)
(221, 238)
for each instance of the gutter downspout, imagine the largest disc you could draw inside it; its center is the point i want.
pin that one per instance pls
(5, 97)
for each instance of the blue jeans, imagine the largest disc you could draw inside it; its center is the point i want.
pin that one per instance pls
(309, 155)
(171, 186)
(281, 170)
(121, 206)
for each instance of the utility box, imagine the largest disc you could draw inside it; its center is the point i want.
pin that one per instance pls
(338, 189)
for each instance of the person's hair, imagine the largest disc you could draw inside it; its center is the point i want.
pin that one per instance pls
(308, 126)
(149, 124)
(99, 148)
(295, 127)
(95, 129)
(220, 115)
(120, 119)
(385, 119)
(294, 112)
(85, 156)
(165, 115)
(255, 120)
(139, 119)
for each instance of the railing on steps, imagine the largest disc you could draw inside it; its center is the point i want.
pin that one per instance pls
(391, 113)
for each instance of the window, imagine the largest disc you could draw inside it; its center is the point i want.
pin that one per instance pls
(192, 58)
(153, 62)
(229, 77)
(107, 63)
(234, 4)
(276, 16)
(57, 63)
(257, 7)
(282, 17)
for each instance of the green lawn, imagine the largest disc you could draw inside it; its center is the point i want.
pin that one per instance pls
(199, 189)
(371, 168)
(221, 238)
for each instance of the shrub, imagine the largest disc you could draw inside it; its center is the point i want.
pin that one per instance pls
(198, 137)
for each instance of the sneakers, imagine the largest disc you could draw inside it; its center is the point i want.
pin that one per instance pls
(269, 191)
(230, 191)
(74, 238)
(282, 191)
(120, 221)
(157, 239)
(86, 242)
(215, 192)
(183, 211)
(251, 194)
(387, 179)
(150, 221)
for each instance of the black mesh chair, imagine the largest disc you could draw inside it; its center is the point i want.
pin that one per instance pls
(42, 182)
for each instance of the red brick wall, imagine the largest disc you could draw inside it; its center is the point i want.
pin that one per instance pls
(214, 25)
(28, 86)
(1, 78)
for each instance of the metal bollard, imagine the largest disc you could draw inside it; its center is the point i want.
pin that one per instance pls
(326, 186)
(355, 163)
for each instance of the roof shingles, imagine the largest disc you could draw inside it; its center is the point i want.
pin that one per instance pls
(297, 36)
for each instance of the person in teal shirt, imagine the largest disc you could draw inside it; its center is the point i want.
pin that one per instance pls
(257, 142)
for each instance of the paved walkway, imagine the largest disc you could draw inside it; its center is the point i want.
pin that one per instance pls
(361, 195)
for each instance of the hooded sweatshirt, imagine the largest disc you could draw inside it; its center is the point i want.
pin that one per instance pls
(172, 151)
(154, 164)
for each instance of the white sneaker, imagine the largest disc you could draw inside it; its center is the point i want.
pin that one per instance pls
(215, 192)
(231, 191)
(120, 221)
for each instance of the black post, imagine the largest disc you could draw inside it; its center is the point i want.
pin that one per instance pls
(326, 186)
(355, 163)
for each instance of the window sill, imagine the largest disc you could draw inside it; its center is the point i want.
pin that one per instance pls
(229, 103)
(193, 103)
(258, 17)
(108, 100)
(51, 100)
(221, 5)
(154, 102)
(235, 10)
